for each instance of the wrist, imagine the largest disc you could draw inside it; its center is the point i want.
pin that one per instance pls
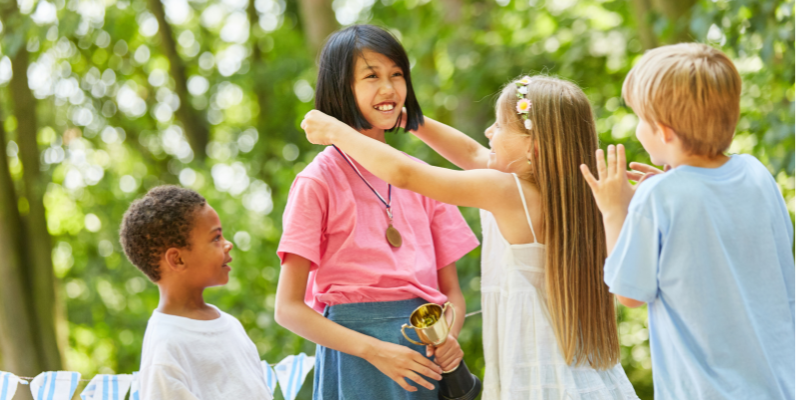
(367, 349)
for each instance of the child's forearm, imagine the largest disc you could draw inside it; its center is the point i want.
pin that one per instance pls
(385, 162)
(612, 223)
(454, 145)
(311, 325)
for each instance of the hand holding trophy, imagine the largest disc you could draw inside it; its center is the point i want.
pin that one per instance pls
(430, 324)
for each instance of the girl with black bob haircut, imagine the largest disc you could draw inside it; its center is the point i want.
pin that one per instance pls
(359, 256)
(337, 62)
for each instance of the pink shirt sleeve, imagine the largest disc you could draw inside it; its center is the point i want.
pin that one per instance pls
(304, 221)
(452, 237)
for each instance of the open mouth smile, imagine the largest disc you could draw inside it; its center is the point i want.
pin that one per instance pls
(385, 107)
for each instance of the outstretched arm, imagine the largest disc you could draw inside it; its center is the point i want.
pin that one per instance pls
(613, 194)
(454, 145)
(480, 188)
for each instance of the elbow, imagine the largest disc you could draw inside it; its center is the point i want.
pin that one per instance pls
(401, 176)
(282, 315)
(630, 303)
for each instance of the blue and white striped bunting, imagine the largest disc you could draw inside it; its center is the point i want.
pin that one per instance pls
(107, 387)
(291, 372)
(269, 377)
(8, 385)
(55, 385)
(134, 387)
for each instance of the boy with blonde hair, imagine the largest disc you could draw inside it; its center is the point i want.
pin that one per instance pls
(708, 244)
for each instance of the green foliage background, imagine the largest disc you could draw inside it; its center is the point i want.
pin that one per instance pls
(101, 65)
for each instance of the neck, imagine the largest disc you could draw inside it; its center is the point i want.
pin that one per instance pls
(700, 161)
(184, 302)
(375, 133)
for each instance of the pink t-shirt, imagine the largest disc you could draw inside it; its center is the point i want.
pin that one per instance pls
(335, 221)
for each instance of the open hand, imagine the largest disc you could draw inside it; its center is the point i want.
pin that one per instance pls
(321, 128)
(611, 189)
(400, 363)
(448, 355)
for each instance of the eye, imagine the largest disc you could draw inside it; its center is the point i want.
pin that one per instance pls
(398, 74)
(217, 238)
(371, 76)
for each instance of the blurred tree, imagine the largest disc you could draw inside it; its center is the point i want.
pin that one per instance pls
(109, 126)
(29, 295)
(195, 127)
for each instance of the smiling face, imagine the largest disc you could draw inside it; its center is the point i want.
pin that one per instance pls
(509, 149)
(379, 88)
(208, 255)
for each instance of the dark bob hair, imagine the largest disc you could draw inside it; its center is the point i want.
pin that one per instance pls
(337, 61)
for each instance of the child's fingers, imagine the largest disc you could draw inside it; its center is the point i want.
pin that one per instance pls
(419, 380)
(587, 175)
(602, 174)
(634, 175)
(612, 160)
(644, 168)
(403, 384)
(622, 162)
(429, 351)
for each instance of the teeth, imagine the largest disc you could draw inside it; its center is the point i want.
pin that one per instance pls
(385, 107)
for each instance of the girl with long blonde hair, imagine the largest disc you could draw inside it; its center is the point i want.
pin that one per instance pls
(549, 327)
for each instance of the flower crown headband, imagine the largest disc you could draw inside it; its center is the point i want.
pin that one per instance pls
(523, 104)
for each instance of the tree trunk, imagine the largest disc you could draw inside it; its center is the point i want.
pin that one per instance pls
(319, 21)
(194, 125)
(37, 243)
(642, 10)
(679, 13)
(17, 317)
(260, 79)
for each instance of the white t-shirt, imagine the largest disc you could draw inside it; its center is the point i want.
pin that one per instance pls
(189, 359)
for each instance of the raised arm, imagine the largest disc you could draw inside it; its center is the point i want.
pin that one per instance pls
(481, 188)
(454, 145)
(395, 361)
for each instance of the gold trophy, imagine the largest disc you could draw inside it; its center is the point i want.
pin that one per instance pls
(430, 324)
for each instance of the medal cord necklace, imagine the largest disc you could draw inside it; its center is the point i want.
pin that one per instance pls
(392, 234)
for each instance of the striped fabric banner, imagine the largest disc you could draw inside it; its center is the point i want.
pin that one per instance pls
(134, 387)
(8, 385)
(107, 387)
(291, 372)
(55, 385)
(269, 376)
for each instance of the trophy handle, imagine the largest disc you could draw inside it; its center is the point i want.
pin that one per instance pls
(452, 313)
(403, 329)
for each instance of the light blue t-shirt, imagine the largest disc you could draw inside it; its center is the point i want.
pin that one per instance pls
(710, 251)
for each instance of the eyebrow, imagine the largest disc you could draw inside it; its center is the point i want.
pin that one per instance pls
(216, 229)
(370, 67)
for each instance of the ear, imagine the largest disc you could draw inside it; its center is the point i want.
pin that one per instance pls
(533, 150)
(174, 260)
(665, 133)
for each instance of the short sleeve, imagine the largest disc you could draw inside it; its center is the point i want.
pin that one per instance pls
(304, 221)
(164, 382)
(632, 268)
(452, 237)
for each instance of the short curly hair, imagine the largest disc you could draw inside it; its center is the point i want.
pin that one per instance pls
(162, 219)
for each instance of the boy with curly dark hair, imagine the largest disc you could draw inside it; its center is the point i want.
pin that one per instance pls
(191, 349)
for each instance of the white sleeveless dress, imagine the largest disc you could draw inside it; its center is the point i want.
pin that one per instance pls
(521, 352)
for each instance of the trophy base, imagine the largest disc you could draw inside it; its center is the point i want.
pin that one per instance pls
(459, 384)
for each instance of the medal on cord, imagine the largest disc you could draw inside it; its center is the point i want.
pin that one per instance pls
(392, 234)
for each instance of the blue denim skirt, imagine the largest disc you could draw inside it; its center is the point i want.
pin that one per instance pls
(344, 377)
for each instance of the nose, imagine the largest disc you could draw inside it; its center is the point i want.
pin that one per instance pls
(489, 132)
(387, 87)
(228, 246)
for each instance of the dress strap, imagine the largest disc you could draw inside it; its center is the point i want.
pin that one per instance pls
(525, 205)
